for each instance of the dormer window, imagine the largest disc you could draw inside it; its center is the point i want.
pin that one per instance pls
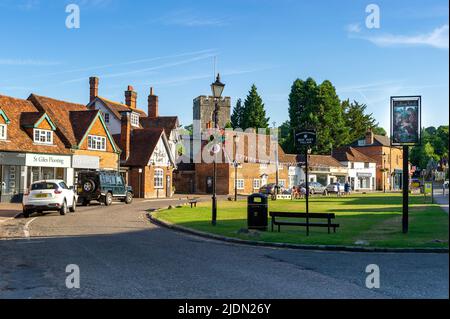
(97, 143)
(135, 119)
(3, 132)
(43, 136)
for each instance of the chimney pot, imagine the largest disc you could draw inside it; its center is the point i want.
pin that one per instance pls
(130, 97)
(125, 135)
(93, 88)
(152, 104)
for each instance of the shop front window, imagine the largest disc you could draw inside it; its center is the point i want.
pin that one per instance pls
(48, 173)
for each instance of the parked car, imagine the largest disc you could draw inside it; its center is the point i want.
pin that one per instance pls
(315, 188)
(269, 189)
(103, 186)
(333, 188)
(49, 195)
(445, 184)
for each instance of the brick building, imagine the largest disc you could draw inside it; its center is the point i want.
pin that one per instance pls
(257, 157)
(148, 143)
(44, 138)
(389, 160)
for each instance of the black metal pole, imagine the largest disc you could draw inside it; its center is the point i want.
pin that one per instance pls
(235, 179)
(405, 189)
(307, 191)
(214, 199)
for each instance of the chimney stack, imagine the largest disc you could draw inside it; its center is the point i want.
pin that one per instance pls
(130, 97)
(369, 137)
(93, 91)
(125, 134)
(152, 104)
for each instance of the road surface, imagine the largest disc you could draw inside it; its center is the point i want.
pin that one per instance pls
(120, 254)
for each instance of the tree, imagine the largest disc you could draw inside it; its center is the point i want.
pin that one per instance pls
(318, 107)
(254, 114)
(284, 133)
(434, 146)
(356, 120)
(238, 115)
(378, 130)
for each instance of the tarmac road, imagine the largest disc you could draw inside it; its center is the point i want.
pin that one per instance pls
(120, 254)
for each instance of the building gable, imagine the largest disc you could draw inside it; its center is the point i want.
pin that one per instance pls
(160, 155)
(98, 128)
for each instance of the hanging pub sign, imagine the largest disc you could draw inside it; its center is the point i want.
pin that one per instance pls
(405, 120)
(306, 137)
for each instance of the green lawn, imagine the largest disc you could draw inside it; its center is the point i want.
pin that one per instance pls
(375, 218)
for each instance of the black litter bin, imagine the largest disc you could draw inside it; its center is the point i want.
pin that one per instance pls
(257, 211)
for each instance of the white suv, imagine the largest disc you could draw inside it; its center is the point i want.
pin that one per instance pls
(49, 195)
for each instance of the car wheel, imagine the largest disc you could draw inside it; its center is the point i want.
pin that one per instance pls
(63, 209)
(88, 186)
(74, 206)
(128, 198)
(108, 199)
(26, 213)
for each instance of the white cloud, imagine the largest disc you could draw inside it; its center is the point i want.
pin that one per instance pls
(438, 38)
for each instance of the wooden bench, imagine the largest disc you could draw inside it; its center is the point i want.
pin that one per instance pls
(328, 216)
(193, 201)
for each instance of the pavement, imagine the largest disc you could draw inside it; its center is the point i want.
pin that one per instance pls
(441, 198)
(120, 254)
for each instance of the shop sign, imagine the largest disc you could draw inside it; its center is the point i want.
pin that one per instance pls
(12, 159)
(42, 160)
(364, 174)
(84, 161)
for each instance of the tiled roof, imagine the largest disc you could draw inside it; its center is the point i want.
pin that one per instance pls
(313, 160)
(351, 154)
(116, 107)
(71, 119)
(142, 145)
(28, 119)
(18, 139)
(378, 140)
(168, 123)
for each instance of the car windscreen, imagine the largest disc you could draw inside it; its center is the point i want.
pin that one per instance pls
(43, 186)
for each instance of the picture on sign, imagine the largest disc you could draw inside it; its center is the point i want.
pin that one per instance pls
(428, 188)
(306, 138)
(405, 120)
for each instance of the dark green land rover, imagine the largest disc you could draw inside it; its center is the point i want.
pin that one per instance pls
(102, 186)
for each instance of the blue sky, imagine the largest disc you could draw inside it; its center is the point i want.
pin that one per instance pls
(171, 46)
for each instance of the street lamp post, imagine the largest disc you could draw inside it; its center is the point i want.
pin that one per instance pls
(384, 168)
(217, 89)
(236, 164)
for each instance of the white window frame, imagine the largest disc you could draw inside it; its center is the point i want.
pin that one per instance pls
(263, 166)
(96, 143)
(42, 136)
(158, 178)
(240, 183)
(134, 120)
(256, 183)
(282, 182)
(3, 131)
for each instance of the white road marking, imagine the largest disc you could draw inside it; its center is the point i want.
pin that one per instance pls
(26, 230)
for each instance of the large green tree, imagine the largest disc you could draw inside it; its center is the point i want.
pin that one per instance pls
(356, 119)
(238, 115)
(254, 114)
(313, 106)
(434, 146)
